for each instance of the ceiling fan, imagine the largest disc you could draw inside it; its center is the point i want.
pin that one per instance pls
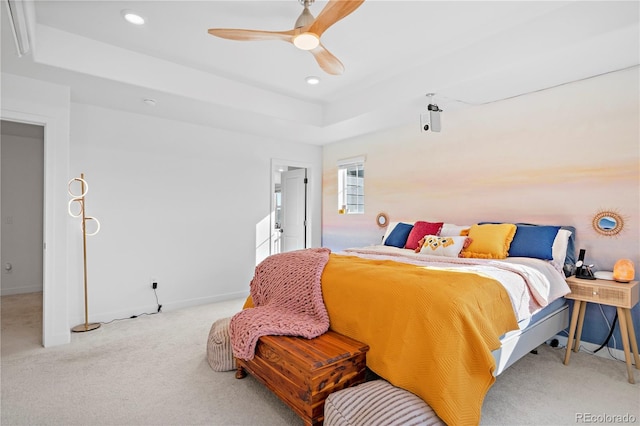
(306, 33)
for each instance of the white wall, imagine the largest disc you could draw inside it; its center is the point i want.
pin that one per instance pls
(177, 202)
(22, 211)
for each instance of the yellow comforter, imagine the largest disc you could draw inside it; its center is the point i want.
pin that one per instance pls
(430, 331)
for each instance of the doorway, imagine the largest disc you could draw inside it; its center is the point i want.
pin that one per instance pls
(47, 106)
(290, 222)
(22, 223)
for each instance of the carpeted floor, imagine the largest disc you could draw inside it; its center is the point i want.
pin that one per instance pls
(152, 370)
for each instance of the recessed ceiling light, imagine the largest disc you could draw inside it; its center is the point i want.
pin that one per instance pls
(132, 17)
(312, 80)
(150, 102)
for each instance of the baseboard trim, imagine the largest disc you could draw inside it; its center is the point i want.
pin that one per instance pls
(166, 306)
(204, 300)
(21, 290)
(56, 339)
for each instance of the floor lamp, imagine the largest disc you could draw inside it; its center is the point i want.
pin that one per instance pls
(79, 199)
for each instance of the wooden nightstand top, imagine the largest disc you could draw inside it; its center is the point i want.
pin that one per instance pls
(624, 295)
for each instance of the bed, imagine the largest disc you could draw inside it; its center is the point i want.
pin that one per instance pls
(534, 327)
(444, 314)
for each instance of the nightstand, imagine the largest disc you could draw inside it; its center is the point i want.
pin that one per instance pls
(623, 296)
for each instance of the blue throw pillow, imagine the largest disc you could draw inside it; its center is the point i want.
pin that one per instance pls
(533, 241)
(570, 259)
(398, 237)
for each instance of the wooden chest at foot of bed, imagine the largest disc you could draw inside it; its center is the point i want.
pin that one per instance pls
(303, 372)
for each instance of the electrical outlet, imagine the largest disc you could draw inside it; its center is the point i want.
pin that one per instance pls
(154, 285)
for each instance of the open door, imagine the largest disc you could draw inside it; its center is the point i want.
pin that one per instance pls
(293, 227)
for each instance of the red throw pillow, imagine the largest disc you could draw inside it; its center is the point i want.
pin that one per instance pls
(420, 229)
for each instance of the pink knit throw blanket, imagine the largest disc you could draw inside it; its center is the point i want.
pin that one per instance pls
(287, 296)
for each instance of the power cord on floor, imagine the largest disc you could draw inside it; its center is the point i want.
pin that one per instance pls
(155, 292)
(131, 317)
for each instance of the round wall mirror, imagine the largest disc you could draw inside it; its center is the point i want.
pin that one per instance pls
(607, 223)
(382, 220)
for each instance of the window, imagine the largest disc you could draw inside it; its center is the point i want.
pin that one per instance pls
(351, 186)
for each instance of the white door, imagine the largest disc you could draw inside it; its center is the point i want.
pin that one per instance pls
(294, 210)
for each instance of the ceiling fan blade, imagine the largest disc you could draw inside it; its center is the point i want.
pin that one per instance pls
(329, 63)
(250, 35)
(334, 11)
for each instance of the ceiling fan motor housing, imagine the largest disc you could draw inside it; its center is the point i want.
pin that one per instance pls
(305, 18)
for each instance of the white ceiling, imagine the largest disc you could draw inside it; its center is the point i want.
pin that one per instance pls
(394, 53)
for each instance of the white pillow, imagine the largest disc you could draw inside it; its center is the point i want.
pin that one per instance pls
(442, 246)
(451, 230)
(559, 248)
(389, 230)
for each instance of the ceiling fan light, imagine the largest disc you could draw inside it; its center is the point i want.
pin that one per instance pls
(306, 41)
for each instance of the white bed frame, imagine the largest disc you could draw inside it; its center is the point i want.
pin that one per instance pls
(518, 343)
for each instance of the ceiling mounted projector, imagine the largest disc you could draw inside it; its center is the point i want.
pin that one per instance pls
(430, 121)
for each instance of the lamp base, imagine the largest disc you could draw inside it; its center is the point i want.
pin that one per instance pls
(85, 327)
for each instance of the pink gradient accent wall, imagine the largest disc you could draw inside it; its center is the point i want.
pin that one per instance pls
(558, 156)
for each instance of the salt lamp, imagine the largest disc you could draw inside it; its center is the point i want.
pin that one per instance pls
(623, 271)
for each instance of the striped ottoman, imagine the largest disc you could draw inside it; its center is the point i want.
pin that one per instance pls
(377, 403)
(219, 351)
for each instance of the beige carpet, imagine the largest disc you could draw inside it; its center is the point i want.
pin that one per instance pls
(152, 370)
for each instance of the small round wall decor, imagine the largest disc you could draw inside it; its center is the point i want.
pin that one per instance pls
(607, 223)
(382, 220)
